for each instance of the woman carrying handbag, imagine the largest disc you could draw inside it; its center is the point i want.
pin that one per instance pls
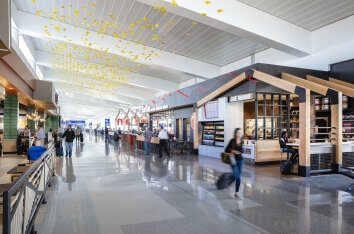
(234, 151)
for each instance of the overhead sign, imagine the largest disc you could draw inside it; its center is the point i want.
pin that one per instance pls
(211, 110)
(241, 97)
(75, 122)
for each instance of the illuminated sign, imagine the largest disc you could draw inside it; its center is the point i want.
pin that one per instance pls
(241, 97)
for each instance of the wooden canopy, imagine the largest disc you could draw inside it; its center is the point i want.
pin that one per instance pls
(345, 90)
(317, 88)
(266, 78)
(223, 89)
(340, 82)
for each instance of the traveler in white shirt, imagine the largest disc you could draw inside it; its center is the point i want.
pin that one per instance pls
(163, 135)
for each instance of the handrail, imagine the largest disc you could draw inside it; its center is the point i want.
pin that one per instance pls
(22, 199)
(17, 183)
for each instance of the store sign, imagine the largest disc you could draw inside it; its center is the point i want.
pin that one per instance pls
(151, 109)
(107, 122)
(241, 97)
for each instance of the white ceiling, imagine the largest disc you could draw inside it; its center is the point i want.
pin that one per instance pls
(309, 14)
(158, 72)
(178, 34)
(142, 24)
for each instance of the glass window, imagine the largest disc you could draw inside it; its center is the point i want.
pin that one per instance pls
(273, 115)
(260, 98)
(261, 110)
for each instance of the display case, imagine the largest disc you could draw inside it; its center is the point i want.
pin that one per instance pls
(213, 134)
(348, 125)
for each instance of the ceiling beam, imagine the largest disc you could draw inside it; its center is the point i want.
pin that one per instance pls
(275, 81)
(317, 88)
(34, 26)
(125, 91)
(345, 90)
(82, 98)
(44, 58)
(242, 20)
(340, 82)
(70, 88)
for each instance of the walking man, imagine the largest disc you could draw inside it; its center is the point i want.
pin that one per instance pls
(163, 135)
(69, 136)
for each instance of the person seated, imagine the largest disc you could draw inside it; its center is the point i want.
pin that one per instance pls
(36, 151)
(285, 148)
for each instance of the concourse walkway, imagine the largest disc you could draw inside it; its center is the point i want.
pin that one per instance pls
(111, 188)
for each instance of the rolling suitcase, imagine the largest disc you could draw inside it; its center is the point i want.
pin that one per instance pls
(285, 167)
(224, 181)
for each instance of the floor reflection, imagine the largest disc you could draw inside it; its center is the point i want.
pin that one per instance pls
(111, 178)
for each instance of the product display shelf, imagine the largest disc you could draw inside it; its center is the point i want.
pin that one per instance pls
(213, 134)
(348, 125)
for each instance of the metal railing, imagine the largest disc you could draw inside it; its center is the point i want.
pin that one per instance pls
(22, 200)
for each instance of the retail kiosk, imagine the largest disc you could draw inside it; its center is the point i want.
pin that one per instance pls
(309, 110)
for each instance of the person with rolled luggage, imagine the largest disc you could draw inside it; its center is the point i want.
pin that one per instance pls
(233, 156)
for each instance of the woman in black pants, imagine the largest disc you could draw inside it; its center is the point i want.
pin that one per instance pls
(235, 147)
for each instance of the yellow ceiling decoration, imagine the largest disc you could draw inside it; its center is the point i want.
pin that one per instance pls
(95, 65)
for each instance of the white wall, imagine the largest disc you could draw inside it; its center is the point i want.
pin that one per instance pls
(330, 44)
(233, 119)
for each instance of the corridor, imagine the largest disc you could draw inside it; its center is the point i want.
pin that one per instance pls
(110, 188)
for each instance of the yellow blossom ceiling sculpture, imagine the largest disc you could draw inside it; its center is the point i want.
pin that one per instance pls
(94, 64)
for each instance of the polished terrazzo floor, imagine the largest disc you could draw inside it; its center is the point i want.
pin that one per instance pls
(111, 188)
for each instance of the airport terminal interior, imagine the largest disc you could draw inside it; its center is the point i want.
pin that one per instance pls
(176, 116)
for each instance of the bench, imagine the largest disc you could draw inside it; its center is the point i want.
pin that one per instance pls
(349, 172)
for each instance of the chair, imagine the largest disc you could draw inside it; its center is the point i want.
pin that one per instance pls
(283, 151)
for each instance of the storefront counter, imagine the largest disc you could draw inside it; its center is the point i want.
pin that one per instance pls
(129, 138)
(348, 147)
(248, 153)
(348, 154)
(267, 151)
(155, 142)
(210, 151)
(124, 137)
(140, 141)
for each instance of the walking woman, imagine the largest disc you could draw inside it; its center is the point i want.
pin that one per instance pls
(235, 147)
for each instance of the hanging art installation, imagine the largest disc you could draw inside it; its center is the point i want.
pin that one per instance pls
(98, 70)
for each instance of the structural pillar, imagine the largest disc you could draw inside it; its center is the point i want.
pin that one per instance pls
(31, 123)
(11, 111)
(304, 133)
(337, 130)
